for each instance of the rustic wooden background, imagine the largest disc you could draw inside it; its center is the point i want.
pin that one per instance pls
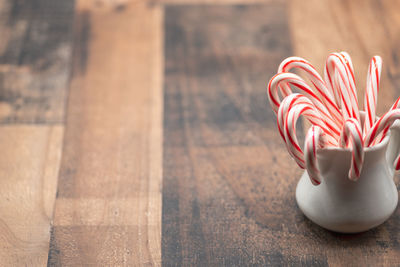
(137, 133)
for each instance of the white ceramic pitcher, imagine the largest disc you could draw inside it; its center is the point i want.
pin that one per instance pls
(341, 205)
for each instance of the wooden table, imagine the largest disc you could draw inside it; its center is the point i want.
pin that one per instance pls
(137, 133)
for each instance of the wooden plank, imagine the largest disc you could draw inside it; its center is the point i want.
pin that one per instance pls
(108, 207)
(34, 69)
(35, 51)
(224, 193)
(229, 184)
(29, 165)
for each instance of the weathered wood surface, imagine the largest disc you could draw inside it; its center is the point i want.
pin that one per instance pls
(203, 181)
(29, 164)
(35, 53)
(228, 184)
(108, 206)
(35, 48)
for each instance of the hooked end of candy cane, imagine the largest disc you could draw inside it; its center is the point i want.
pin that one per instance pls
(314, 181)
(353, 175)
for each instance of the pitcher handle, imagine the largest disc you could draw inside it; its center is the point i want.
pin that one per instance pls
(393, 150)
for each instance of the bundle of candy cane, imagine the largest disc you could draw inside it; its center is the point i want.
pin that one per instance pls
(331, 106)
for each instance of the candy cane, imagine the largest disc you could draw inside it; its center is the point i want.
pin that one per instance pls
(350, 72)
(351, 78)
(381, 136)
(352, 132)
(340, 81)
(282, 112)
(290, 102)
(285, 105)
(322, 91)
(329, 74)
(289, 128)
(371, 92)
(315, 139)
(385, 121)
(295, 80)
(349, 65)
(340, 64)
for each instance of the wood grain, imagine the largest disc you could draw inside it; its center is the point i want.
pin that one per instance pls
(227, 197)
(108, 207)
(35, 52)
(228, 184)
(29, 165)
(222, 184)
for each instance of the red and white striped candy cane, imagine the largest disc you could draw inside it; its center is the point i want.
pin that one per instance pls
(371, 92)
(352, 80)
(385, 121)
(315, 139)
(299, 83)
(290, 102)
(329, 74)
(339, 64)
(350, 72)
(382, 124)
(381, 136)
(349, 64)
(321, 90)
(340, 81)
(289, 128)
(352, 132)
(282, 112)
